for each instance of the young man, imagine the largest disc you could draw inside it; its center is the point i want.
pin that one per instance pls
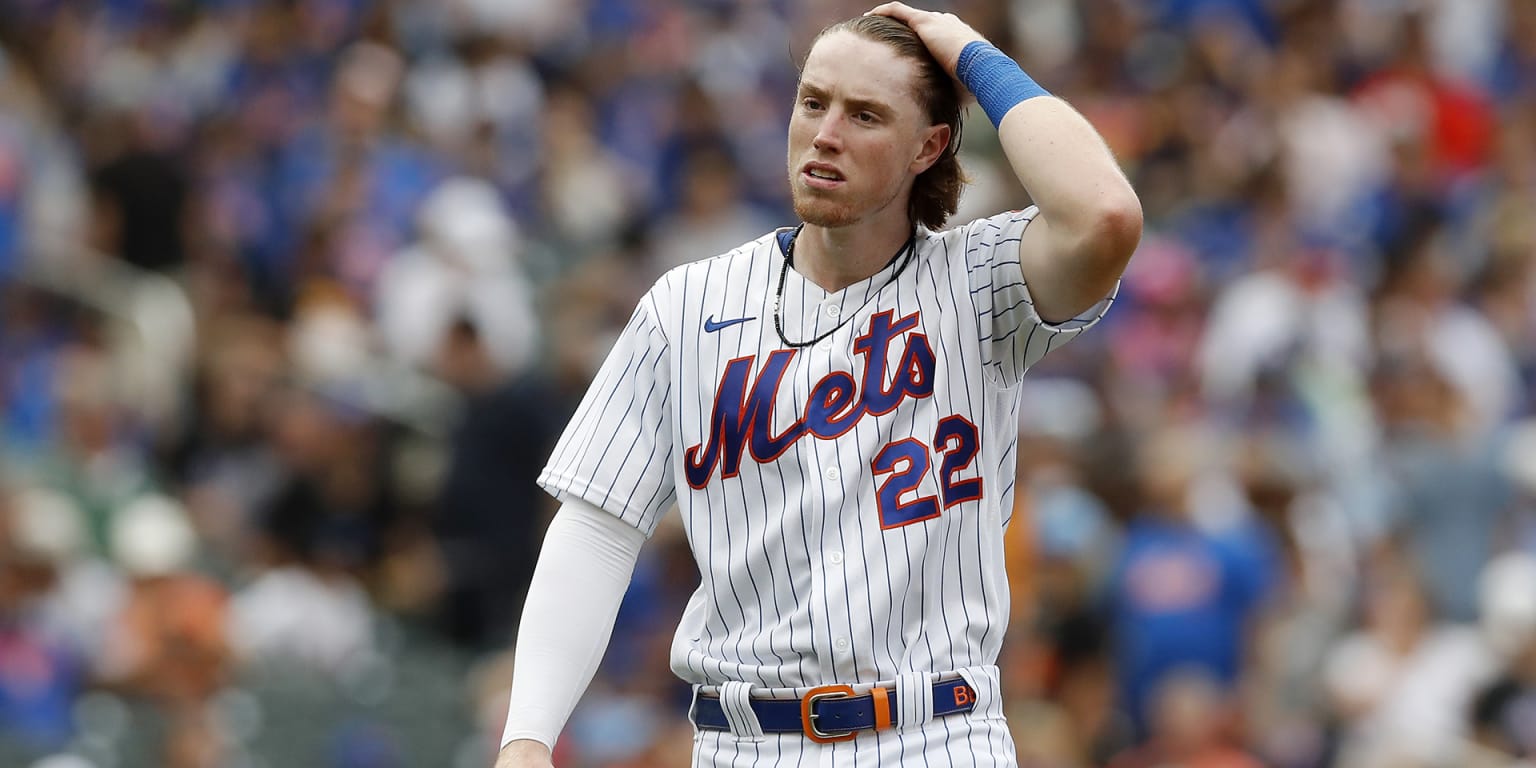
(833, 408)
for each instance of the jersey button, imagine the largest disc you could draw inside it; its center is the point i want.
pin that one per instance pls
(833, 310)
(832, 474)
(825, 345)
(836, 558)
(841, 643)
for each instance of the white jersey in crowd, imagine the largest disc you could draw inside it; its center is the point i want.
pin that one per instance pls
(845, 501)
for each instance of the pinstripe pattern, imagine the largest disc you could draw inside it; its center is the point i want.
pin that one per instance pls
(800, 584)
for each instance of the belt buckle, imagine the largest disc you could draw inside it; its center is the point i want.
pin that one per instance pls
(808, 717)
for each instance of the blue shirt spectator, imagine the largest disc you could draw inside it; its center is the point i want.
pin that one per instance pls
(1181, 598)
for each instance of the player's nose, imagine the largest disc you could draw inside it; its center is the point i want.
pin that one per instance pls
(829, 137)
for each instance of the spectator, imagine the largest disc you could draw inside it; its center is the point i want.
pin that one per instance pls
(1191, 728)
(1180, 597)
(490, 523)
(1402, 684)
(1502, 720)
(1449, 500)
(40, 674)
(465, 266)
(712, 217)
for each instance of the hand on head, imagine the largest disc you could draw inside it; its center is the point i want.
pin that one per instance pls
(944, 33)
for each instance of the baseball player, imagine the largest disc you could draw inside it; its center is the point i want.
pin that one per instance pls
(833, 409)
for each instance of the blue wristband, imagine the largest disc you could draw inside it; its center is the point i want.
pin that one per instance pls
(995, 79)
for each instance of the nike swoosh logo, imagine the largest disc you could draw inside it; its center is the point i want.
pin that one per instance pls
(710, 326)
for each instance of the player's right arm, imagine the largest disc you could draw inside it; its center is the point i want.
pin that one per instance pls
(610, 470)
(584, 569)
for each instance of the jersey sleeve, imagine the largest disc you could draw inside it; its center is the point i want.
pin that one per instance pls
(616, 452)
(1013, 336)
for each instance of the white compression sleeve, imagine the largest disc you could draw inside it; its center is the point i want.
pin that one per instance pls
(584, 569)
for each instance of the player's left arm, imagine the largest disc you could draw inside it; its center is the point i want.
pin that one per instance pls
(1090, 219)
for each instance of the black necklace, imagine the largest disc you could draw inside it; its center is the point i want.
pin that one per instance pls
(909, 248)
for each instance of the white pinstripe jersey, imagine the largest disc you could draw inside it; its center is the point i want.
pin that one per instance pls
(845, 501)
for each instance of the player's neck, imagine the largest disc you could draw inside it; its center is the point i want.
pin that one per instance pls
(837, 257)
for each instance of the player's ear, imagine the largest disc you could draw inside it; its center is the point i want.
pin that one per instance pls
(935, 141)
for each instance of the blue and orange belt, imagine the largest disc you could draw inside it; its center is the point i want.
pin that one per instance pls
(833, 712)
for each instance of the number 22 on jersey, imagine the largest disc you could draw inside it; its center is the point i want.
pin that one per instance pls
(741, 422)
(956, 439)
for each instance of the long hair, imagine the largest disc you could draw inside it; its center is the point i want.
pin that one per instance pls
(936, 191)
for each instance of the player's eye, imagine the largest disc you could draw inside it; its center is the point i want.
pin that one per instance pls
(810, 104)
(866, 117)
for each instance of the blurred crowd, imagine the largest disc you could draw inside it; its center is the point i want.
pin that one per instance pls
(296, 294)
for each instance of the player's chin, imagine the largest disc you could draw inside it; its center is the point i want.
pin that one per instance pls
(822, 212)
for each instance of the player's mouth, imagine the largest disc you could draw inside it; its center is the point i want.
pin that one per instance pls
(821, 176)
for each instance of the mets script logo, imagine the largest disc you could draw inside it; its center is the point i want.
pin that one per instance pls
(743, 411)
